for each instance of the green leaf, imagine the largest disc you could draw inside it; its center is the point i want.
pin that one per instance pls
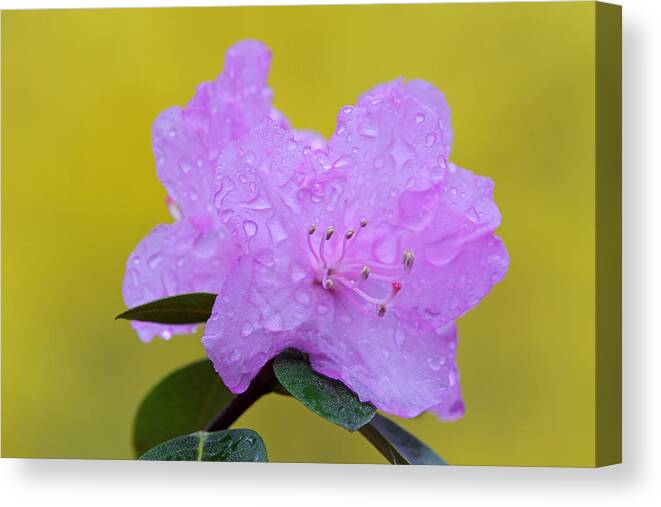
(326, 397)
(397, 445)
(183, 309)
(225, 445)
(183, 402)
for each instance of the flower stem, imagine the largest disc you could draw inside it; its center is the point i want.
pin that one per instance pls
(262, 384)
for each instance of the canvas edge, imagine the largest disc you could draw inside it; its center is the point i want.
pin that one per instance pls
(608, 247)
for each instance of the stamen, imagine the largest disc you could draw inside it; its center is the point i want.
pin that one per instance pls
(363, 223)
(407, 259)
(322, 245)
(365, 272)
(328, 282)
(347, 236)
(396, 287)
(329, 232)
(351, 285)
(311, 231)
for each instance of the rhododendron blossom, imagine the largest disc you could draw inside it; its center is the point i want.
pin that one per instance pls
(360, 254)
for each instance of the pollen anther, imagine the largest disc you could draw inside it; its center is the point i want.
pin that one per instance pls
(329, 232)
(407, 260)
(365, 273)
(312, 229)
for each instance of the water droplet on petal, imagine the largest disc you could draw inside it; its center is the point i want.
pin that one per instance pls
(435, 363)
(185, 165)
(400, 336)
(250, 228)
(166, 334)
(419, 118)
(430, 139)
(154, 261)
(303, 297)
(235, 355)
(246, 329)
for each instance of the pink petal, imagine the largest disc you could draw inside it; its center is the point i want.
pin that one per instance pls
(175, 259)
(187, 141)
(398, 362)
(254, 317)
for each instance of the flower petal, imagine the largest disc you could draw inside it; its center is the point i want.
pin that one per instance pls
(254, 317)
(397, 362)
(187, 141)
(175, 259)
(451, 406)
(391, 141)
(458, 259)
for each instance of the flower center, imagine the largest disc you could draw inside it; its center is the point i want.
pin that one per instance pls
(345, 272)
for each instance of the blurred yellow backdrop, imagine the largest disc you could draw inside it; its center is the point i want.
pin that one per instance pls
(80, 89)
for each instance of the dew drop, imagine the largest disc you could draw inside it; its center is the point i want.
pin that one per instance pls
(297, 274)
(302, 297)
(419, 118)
(226, 215)
(347, 109)
(370, 132)
(166, 334)
(435, 363)
(154, 261)
(235, 355)
(493, 258)
(400, 336)
(250, 228)
(136, 260)
(246, 329)
(250, 157)
(184, 165)
(430, 139)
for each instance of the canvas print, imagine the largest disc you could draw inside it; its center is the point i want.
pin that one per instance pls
(337, 234)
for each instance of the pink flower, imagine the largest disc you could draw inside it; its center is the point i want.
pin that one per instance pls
(194, 253)
(361, 253)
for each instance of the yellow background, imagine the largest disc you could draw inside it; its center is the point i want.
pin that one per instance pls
(79, 92)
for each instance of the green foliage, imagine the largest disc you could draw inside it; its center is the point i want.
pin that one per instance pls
(183, 309)
(183, 402)
(326, 397)
(226, 445)
(397, 445)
